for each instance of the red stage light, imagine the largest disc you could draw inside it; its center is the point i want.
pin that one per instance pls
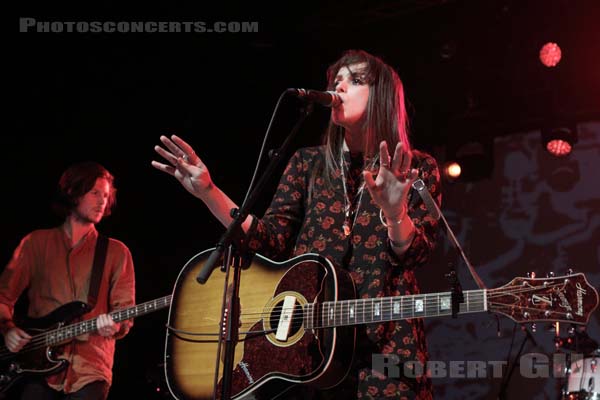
(559, 141)
(550, 54)
(558, 147)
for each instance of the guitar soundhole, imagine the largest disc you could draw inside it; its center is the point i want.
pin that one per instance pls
(273, 322)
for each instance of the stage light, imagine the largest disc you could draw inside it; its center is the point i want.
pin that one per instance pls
(469, 162)
(550, 54)
(452, 170)
(559, 141)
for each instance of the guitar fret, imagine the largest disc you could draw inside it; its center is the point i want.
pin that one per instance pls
(330, 313)
(348, 311)
(445, 304)
(431, 302)
(419, 305)
(336, 306)
(306, 312)
(377, 310)
(308, 319)
(324, 315)
(396, 307)
(402, 308)
(471, 299)
(407, 309)
(65, 333)
(358, 313)
(366, 303)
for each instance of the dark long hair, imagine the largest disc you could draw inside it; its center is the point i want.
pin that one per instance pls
(386, 117)
(76, 181)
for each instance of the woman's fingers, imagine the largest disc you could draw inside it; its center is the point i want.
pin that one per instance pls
(384, 154)
(401, 162)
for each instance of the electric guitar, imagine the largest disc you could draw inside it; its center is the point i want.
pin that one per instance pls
(41, 355)
(298, 320)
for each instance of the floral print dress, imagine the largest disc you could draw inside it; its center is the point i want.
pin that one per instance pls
(306, 216)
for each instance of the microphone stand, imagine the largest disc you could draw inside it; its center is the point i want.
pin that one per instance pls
(437, 214)
(234, 238)
(505, 381)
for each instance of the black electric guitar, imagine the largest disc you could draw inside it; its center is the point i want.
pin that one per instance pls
(41, 356)
(298, 318)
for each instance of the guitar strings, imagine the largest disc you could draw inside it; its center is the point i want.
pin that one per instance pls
(39, 341)
(492, 293)
(385, 307)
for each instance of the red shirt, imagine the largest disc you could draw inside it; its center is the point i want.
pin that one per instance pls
(57, 274)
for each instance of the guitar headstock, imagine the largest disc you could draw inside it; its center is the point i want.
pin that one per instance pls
(568, 298)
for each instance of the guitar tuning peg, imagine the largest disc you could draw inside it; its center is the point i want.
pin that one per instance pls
(550, 274)
(531, 275)
(570, 271)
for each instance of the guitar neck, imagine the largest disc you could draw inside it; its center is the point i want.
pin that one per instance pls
(71, 331)
(381, 309)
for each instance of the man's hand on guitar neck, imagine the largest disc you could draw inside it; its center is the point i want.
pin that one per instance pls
(106, 326)
(15, 338)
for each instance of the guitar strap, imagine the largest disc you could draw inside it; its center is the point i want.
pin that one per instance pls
(97, 269)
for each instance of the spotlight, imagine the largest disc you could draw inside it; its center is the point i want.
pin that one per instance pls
(452, 170)
(550, 54)
(559, 141)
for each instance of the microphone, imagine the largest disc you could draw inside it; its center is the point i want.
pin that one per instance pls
(327, 99)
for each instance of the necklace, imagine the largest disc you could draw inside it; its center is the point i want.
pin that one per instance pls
(347, 226)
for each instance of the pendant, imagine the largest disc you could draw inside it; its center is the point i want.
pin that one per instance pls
(346, 228)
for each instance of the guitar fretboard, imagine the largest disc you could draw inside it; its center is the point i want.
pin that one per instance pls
(381, 309)
(60, 335)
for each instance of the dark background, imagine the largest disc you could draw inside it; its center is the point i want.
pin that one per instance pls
(470, 69)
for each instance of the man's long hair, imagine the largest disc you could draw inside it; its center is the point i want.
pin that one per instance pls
(76, 181)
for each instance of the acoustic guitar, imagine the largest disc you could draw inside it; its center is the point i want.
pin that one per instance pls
(298, 319)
